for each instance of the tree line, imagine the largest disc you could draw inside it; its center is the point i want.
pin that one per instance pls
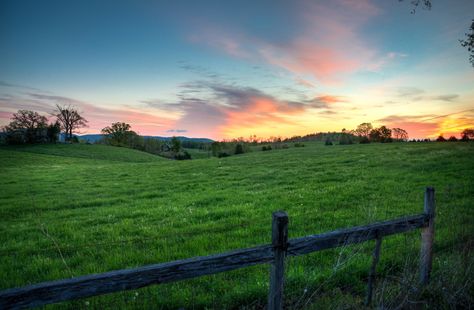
(121, 134)
(30, 127)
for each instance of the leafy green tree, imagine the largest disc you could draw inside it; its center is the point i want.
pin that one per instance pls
(120, 134)
(239, 149)
(175, 145)
(54, 129)
(215, 148)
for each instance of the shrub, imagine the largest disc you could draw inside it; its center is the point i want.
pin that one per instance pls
(328, 142)
(267, 148)
(298, 144)
(223, 154)
(182, 156)
(452, 139)
(364, 140)
(239, 149)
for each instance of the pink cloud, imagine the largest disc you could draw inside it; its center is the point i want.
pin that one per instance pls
(98, 117)
(326, 47)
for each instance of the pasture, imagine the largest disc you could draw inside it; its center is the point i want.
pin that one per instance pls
(70, 210)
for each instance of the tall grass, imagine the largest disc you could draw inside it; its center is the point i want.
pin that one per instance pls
(68, 212)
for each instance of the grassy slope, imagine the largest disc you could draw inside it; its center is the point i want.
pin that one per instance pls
(88, 151)
(106, 214)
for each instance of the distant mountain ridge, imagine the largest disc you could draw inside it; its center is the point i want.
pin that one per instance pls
(93, 138)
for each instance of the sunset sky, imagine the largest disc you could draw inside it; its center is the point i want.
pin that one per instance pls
(225, 69)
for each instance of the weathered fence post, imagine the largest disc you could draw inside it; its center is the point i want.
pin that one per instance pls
(373, 269)
(427, 237)
(277, 269)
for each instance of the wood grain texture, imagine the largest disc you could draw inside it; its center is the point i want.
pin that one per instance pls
(427, 237)
(114, 281)
(373, 270)
(342, 237)
(277, 268)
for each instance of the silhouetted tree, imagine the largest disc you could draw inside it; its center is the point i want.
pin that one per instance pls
(364, 130)
(469, 43)
(26, 127)
(441, 139)
(381, 134)
(70, 119)
(400, 134)
(452, 139)
(468, 133)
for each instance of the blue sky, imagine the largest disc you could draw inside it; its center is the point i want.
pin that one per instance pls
(235, 68)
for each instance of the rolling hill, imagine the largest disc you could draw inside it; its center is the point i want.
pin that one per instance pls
(70, 210)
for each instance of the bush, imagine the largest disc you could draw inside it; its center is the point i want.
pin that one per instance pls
(182, 156)
(364, 140)
(223, 154)
(328, 142)
(267, 148)
(297, 144)
(239, 149)
(452, 139)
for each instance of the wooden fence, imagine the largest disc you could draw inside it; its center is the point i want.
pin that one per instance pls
(274, 254)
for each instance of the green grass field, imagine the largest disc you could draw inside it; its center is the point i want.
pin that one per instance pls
(70, 210)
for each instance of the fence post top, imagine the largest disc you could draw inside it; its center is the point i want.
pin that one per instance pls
(280, 216)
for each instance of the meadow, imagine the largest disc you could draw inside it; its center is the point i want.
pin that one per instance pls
(70, 210)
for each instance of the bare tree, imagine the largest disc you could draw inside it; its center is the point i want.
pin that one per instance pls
(400, 134)
(70, 119)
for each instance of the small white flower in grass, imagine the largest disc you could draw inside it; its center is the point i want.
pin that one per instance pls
(87, 304)
(305, 290)
(136, 294)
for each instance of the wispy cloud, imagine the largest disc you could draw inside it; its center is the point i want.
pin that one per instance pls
(224, 110)
(327, 46)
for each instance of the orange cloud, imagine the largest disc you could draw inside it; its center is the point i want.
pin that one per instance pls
(431, 126)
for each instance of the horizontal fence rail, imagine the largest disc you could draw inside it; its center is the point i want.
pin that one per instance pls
(128, 279)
